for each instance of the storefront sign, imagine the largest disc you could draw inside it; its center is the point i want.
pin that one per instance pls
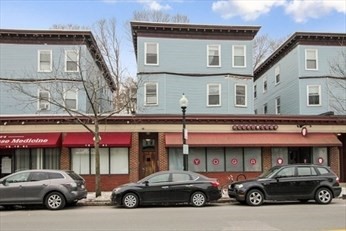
(280, 161)
(234, 161)
(320, 160)
(216, 161)
(253, 161)
(29, 140)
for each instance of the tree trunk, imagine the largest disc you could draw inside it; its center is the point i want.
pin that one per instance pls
(97, 139)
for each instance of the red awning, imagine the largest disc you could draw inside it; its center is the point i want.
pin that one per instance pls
(253, 140)
(30, 140)
(108, 139)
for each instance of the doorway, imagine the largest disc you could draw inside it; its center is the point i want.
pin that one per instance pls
(299, 155)
(148, 153)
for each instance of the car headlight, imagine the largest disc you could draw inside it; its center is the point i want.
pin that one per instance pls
(116, 189)
(239, 186)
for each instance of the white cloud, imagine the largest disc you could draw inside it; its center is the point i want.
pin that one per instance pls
(247, 10)
(154, 5)
(300, 10)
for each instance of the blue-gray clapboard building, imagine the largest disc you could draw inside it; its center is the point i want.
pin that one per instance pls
(304, 76)
(210, 64)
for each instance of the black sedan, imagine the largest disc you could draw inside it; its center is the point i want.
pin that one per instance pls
(168, 187)
(290, 182)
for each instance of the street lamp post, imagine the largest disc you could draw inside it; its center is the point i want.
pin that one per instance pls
(183, 104)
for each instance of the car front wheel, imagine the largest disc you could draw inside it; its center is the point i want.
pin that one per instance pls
(198, 199)
(254, 197)
(130, 200)
(323, 196)
(55, 201)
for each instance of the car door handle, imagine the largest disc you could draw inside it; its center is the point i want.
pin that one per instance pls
(165, 187)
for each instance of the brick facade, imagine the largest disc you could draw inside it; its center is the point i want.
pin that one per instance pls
(334, 160)
(162, 153)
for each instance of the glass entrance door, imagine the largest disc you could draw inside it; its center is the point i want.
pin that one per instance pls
(299, 155)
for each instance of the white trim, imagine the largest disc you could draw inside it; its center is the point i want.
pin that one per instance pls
(276, 105)
(76, 94)
(316, 58)
(219, 89)
(145, 94)
(319, 96)
(233, 54)
(39, 61)
(277, 73)
(40, 105)
(66, 56)
(145, 53)
(235, 95)
(218, 46)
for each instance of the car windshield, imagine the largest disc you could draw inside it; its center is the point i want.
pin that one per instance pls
(270, 172)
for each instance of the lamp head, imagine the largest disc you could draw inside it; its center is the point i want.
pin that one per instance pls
(183, 101)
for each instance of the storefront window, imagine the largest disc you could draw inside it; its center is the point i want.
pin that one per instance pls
(112, 160)
(37, 158)
(320, 155)
(279, 156)
(80, 160)
(215, 160)
(119, 161)
(234, 160)
(104, 160)
(197, 160)
(175, 156)
(252, 159)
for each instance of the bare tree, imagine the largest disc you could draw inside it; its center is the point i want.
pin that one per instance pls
(263, 47)
(88, 82)
(337, 83)
(158, 16)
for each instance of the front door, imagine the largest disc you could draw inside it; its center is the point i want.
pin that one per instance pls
(148, 154)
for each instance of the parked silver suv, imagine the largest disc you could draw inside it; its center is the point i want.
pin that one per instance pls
(52, 188)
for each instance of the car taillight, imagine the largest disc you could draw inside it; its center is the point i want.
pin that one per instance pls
(337, 180)
(215, 184)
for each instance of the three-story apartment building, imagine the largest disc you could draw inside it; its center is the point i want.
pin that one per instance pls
(304, 76)
(43, 71)
(210, 64)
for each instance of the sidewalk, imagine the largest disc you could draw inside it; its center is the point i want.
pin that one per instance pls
(104, 199)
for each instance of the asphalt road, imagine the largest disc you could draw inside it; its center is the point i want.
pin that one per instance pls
(215, 217)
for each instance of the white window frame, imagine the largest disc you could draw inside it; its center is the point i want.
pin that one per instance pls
(68, 59)
(145, 53)
(76, 94)
(236, 95)
(233, 55)
(265, 84)
(213, 47)
(278, 105)
(41, 105)
(277, 75)
(308, 90)
(156, 92)
(208, 91)
(306, 59)
(39, 67)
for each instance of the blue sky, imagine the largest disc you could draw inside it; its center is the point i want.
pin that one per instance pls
(277, 18)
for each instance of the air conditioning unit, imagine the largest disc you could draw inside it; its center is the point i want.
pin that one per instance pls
(44, 106)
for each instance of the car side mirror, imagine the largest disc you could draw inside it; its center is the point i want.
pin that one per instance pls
(146, 183)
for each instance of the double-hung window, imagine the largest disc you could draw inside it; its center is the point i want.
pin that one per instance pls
(240, 95)
(311, 61)
(314, 95)
(214, 94)
(71, 98)
(151, 94)
(151, 54)
(265, 85)
(265, 108)
(239, 58)
(214, 56)
(277, 105)
(44, 60)
(277, 75)
(255, 91)
(71, 61)
(43, 100)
